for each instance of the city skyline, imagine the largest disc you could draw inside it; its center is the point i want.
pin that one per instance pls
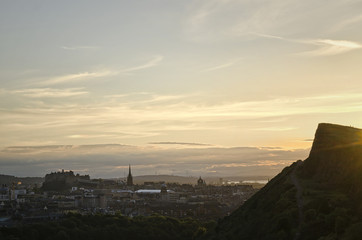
(216, 87)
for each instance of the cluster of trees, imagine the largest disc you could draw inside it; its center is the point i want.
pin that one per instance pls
(75, 226)
(330, 212)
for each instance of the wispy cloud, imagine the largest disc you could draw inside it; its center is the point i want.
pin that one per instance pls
(78, 47)
(326, 47)
(76, 77)
(224, 65)
(180, 143)
(267, 36)
(274, 129)
(273, 120)
(260, 163)
(206, 9)
(146, 97)
(125, 95)
(199, 24)
(154, 62)
(50, 92)
(98, 74)
(87, 136)
(329, 47)
(346, 23)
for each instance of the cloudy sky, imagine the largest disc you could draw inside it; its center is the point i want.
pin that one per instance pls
(173, 87)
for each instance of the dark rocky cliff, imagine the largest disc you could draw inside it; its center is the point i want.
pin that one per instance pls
(336, 157)
(331, 136)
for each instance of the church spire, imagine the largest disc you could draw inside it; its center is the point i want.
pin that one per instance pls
(129, 177)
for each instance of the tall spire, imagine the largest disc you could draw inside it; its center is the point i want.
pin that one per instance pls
(129, 177)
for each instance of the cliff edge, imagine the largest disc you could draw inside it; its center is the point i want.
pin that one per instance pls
(332, 136)
(335, 157)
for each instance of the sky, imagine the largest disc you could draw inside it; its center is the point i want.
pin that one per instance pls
(204, 87)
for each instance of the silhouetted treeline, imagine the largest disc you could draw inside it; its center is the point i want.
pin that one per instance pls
(98, 227)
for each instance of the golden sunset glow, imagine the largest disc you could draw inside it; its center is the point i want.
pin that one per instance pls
(172, 79)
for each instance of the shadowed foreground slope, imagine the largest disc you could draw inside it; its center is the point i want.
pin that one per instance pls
(319, 198)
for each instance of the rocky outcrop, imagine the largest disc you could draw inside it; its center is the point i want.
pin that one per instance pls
(335, 137)
(336, 156)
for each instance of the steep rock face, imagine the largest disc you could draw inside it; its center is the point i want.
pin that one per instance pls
(319, 198)
(336, 157)
(331, 136)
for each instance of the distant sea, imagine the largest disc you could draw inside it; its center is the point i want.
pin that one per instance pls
(256, 181)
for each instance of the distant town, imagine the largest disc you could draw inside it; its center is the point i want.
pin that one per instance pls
(63, 192)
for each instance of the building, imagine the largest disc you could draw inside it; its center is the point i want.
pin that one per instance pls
(4, 193)
(201, 182)
(129, 177)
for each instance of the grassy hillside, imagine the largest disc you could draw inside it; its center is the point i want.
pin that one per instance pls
(319, 198)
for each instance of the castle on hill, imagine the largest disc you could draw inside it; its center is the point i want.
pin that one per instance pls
(62, 180)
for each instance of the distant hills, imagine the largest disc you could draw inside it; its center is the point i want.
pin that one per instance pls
(164, 178)
(193, 180)
(9, 180)
(319, 198)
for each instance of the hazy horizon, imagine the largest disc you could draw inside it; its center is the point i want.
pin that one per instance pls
(112, 160)
(207, 86)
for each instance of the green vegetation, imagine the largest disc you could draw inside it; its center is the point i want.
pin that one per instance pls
(109, 227)
(320, 198)
(272, 213)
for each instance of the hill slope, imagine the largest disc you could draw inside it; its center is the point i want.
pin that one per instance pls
(9, 180)
(319, 198)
